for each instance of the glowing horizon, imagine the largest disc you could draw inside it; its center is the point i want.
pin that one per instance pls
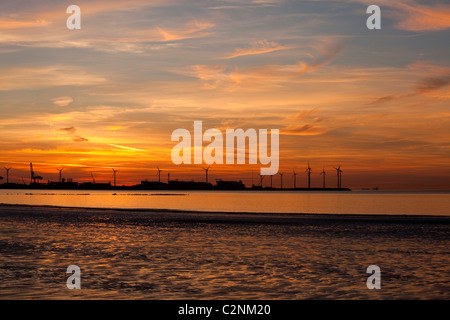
(109, 95)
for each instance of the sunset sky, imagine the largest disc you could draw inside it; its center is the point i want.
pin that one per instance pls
(376, 102)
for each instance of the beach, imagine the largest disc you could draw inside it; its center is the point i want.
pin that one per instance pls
(169, 254)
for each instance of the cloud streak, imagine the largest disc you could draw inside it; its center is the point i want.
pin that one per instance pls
(217, 75)
(421, 18)
(258, 47)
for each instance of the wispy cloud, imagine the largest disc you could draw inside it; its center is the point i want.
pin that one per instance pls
(49, 76)
(62, 101)
(422, 18)
(429, 84)
(125, 147)
(71, 131)
(216, 75)
(7, 24)
(193, 29)
(257, 47)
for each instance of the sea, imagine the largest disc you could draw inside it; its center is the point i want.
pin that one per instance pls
(354, 202)
(224, 245)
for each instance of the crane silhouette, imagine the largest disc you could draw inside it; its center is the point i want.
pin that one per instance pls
(206, 173)
(34, 178)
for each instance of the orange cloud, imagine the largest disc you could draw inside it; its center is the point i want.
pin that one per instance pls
(50, 76)
(6, 24)
(191, 30)
(258, 47)
(419, 18)
(216, 75)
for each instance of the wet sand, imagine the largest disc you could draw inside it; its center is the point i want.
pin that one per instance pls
(145, 254)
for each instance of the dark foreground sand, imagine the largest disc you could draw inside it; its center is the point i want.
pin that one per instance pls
(144, 254)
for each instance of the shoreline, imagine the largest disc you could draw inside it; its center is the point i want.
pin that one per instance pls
(193, 215)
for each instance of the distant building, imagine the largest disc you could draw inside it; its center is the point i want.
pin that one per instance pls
(229, 185)
(189, 185)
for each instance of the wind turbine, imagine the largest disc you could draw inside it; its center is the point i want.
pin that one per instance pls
(281, 181)
(7, 174)
(60, 178)
(339, 176)
(261, 177)
(206, 172)
(159, 174)
(308, 171)
(323, 174)
(295, 179)
(114, 171)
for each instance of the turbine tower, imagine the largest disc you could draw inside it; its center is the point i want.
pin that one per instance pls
(159, 174)
(308, 171)
(339, 176)
(60, 178)
(206, 173)
(7, 174)
(281, 179)
(114, 171)
(323, 178)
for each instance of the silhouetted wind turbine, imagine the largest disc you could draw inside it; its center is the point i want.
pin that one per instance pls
(295, 179)
(323, 174)
(339, 176)
(159, 174)
(114, 171)
(168, 177)
(308, 171)
(281, 180)
(261, 177)
(206, 173)
(271, 178)
(7, 174)
(60, 178)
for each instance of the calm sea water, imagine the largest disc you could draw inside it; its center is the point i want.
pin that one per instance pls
(151, 255)
(185, 255)
(359, 202)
